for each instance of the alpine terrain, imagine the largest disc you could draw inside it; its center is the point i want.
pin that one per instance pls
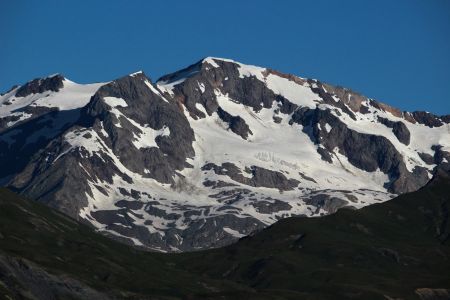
(210, 153)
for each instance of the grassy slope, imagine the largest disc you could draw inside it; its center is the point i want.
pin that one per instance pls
(385, 249)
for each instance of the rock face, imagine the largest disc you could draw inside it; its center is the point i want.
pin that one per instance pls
(398, 128)
(210, 153)
(38, 86)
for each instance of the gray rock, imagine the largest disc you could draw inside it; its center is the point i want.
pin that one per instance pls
(260, 177)
(326, 202)
(235, 123)
(427, 158)
(365, 151)
(272, 206)
(398, 128)
(427, 119)
(40, 85)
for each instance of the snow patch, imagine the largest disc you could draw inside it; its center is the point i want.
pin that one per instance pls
(147, 138)
(115, 102)
(234, 233)
(294, 92)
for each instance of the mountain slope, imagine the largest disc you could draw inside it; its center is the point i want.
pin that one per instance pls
(390, 249)
(395, 250)
(210, 153)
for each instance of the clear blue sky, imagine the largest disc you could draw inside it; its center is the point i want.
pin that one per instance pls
(397, 51)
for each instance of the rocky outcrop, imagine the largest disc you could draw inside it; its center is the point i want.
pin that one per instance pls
(148, 110)
(204, 79)
(398, 128)
(365, 151)
(235, 123)
(441, 157)
(326, 202)
(41, 85)
(427, 119)
(260, 177)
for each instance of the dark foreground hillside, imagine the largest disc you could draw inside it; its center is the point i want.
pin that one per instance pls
(395, 250)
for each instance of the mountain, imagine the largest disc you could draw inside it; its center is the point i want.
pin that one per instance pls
(398, 249)
(211, 153)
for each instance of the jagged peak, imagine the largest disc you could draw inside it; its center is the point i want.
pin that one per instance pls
(214, 62)
(52, 82)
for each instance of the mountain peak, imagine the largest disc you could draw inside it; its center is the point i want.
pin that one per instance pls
(53, 83)
(212, 60)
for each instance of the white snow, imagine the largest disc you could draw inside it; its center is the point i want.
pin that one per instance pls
(422, 137)
(136, 73)
(210, 60)
(169, 86)
(22, 116)
(115, 102)
(294, 92)
(76, 139)
(71, 96)
(155, 91)
(201, 86)
(148, 136)
(233, 232)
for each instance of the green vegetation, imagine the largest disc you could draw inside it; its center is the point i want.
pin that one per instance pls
(385, 250)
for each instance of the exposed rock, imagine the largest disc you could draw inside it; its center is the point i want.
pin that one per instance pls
(148, 109)
(427, 158)
(351, 98)
(269, 207)
(235, 123)
(307, 177)
(40, 85)
(217, 184)
(132, 205)
(441, 157)
(427, 119)
(277, 119)
(398, 128)
(247, 90)
(327, 97)
(365, 151)
(260, 177)
(326, 202)
(387, 108)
